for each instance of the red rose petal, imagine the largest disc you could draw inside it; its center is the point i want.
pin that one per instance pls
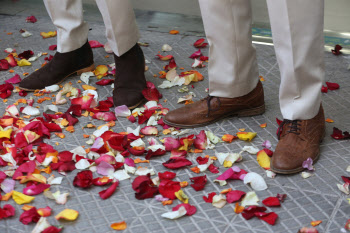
(324, 89)
(177, 162)
(346, 179)
(35, 189)
(209, 199)
(190, 209)
(29, 216)
(31, 19)
(199, 182)
(151, 92)
(200, 43)
(53, 47)
(144, 187)
(95, 44)
(104, 82)
(270, 218)
(271, 202)
(166, 175)
(168, 188)
(83, 179)
(332, 86)
(234, 195)
(108, 192)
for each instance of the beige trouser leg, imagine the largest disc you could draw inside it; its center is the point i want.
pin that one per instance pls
(118, 15)
(233, 69)
(298, 37)
(297, 29)
(67, 16)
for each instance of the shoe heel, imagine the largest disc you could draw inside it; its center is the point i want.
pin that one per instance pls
(251, 112)
(87, 69)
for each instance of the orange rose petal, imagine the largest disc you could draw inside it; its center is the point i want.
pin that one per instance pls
(183, 184)
(88, 87)
(195, 169)
(46, 170)
(169, 202)
(119, 226)
(263, 125)
(228, 138)
(70, 129)
(197, 151)
(226, 191)
(238, 209)
(7, 196)
(60, 135)
(27, 207)
(242, 129)
(316, 223)
(138, 160)
(86, 135)
(174, 32)
(329, 120)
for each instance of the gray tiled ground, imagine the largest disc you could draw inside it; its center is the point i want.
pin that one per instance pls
(316, 198)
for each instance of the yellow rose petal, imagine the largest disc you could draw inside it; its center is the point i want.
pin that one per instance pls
(67, 214)
(246, 136)
(24, 62)
(6, 134)
(263, 159)
(21, 198)
(182, 196)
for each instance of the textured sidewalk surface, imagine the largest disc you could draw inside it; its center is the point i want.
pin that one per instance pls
(315, 198)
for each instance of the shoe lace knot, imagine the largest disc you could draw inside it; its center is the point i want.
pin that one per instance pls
(208, 99)
(294, 127)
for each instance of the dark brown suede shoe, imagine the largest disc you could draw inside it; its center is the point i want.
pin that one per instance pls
(212, 109)
(130, 78)
(298, 141)
(59, 68)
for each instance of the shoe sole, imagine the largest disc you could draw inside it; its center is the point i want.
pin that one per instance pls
(242, 113)
(138, 104)
(78, 72)
(297, 170)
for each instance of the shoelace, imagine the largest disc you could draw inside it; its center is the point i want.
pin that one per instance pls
(293, 127)
(209, 98)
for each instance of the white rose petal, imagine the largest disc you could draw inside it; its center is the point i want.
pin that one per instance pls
(251, 150)
(250, 199)
(31, 111)
(306, 175)
(50, 107)
(82, 164)
(52, 88)
(175, 214)
(256, 181)
(144, 171)
(270, 174)
(166, 48)
(219, 201)
(344, 188)
(138, 143)
(85, 77)
(41, 225)
(121, 175)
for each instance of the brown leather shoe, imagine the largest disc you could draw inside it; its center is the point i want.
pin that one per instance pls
(212, 109)
(59, 68)
(298, 141)
(130, 78)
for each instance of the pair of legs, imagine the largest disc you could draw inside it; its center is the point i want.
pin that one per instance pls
(74, 54)
(234, 87)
